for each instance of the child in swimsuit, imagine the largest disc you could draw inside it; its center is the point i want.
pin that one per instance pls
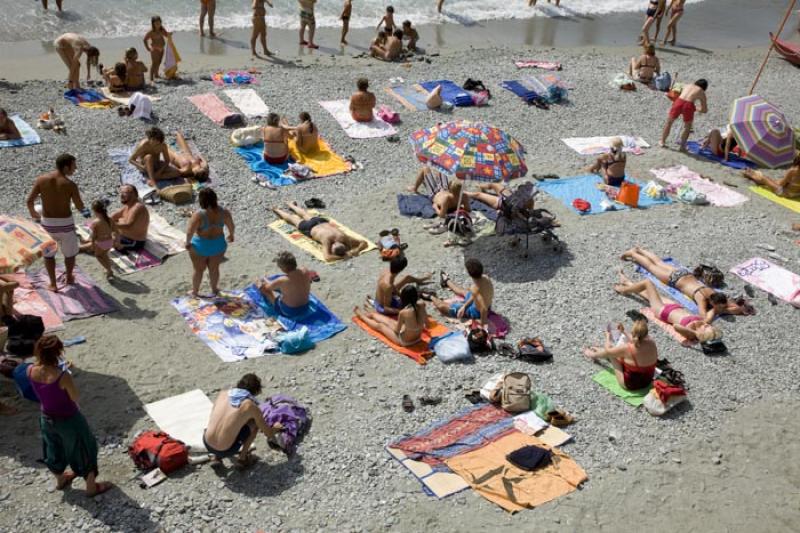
(155, 42)
(388, 21)
(102, 236)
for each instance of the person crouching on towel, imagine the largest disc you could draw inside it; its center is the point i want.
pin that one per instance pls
(289, 293)
(390, 284)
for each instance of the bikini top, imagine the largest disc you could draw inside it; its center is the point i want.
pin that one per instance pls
(206, 224)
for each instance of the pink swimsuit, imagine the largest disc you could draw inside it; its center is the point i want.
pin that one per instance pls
(669, 308)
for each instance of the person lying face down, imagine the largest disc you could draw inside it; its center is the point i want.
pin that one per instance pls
(390, 284)
(334, 242)
(288, 293)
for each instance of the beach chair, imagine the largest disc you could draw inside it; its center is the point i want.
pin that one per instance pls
(517, 216)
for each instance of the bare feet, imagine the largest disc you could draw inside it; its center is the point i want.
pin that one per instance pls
(796, 227)
(662, 144)
(344, 43)
(243, 463)
(628, 255)
(65, 480)
(52, 288)
(267, 52)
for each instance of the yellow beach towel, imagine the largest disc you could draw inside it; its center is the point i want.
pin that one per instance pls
(293, 235)
(323, 161)
(794, 205)
(171, 60)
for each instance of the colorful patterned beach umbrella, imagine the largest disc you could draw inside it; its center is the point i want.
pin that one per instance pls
(762, 132)
(21, 243)
(471, 150)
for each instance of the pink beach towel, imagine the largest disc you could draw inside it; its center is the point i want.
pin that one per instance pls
(28, 302)
(717, 195)
(533, 63)
(71, 302)
(770, 277)
(667, 328)
(211, 106)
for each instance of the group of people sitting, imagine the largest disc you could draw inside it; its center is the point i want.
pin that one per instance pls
(126, 75)
(277, 132)
(388, 45)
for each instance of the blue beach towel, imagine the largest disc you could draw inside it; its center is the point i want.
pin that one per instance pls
(451, 92)
(734, 161)
(84, 96)
(273, 174)
(29, 135)
(675, 294)
(417, 205)
(585, 187)
(520, 90)
(410, 95)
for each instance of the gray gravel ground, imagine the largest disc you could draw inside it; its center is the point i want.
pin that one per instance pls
(342, 479)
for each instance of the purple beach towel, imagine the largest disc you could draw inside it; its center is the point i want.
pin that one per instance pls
(295, 419)
(71, 302)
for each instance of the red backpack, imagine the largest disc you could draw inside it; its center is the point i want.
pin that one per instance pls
(155, 449)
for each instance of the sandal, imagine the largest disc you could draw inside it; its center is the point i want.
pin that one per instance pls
(560, 418)
(408, 404)
(506, 350)
(430, 400)
(444, 279)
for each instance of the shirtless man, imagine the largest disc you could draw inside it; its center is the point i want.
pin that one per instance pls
(151, 157)
(58, 193)
(442, 192)
(131, 221)
(8, 130)
(207, 7)
(260, 27)
(235, 422)
(307, 20)
(335, 243)
(391, 50)
(387, 299)
(186, 162)
(477, 300)
(684, 106)
(362, 102)
(788, 186)
(290, 292)
(70, 47)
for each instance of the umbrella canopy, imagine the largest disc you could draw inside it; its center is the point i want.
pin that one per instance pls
(762, 131)
(471, 150)
(21, 243)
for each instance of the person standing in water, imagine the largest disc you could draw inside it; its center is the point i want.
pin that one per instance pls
(345, 16)
(207, 7)
(260, 27)
(155, 42)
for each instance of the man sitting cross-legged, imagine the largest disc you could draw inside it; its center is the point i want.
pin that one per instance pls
(477, 299)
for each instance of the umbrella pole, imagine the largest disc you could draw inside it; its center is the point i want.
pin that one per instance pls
(772, 45)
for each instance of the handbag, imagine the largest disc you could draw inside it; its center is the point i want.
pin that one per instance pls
(628, 194)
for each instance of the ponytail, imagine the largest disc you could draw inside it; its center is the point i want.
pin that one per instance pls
(639, 332)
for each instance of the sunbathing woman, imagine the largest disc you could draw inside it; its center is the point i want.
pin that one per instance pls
(612, 164)
(788, 187)
(646, 67)
(188, 164)
(8, 129)
(411, 320)
(306, 134)
(722, 145)
(115, 78)
(276, 135)
(690, 326)
(633, 361)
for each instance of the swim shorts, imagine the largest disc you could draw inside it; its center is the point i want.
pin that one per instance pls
(62, 230)
(470, 312)
(682, 108)
(129, 244)
(307, 17)
(243, 435)
(306, 226)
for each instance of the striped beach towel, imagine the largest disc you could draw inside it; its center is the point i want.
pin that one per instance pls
(80, 300)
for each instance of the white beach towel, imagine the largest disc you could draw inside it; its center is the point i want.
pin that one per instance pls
(142, 106)
(163, 239)
(602, 145)
(248, 102)
(340, 109)
(184, 417)
(770, 277)
(124, 98)
(717, 195)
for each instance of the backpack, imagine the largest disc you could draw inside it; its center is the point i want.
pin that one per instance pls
(710, 275)
(515, 395)
(155, 449)
(23, 332)
(663, 81)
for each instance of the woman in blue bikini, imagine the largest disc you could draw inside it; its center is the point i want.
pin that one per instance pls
(205, 239)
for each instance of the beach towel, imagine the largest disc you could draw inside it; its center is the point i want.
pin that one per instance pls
(231, 324)
(295, 419)
(171, 59)
(533, 63)
(233, 77)
(717, 195)
(125, 262)
(772, 278)
(322, 324)
(28, 302)
(293, 235)
(88, 98)
(451, 93)
(788, 203)
(28, 134)
(667, 328)
(734, 161)
(267, 172)
(419, 352)
(412, 97)
(340, 109)
(164, 239)
(184, 417)
(249, 103)
(129, 174)
(607, 380)
(675, 294)
(439, 482)
(521, 90)
(211, 106)
(496, 323)
(124, 98)
(417, 205)
(585, 187)
(72, 302)
(602, 145)
(322, 161)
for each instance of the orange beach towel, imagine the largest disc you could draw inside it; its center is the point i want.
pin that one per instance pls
(419, 352)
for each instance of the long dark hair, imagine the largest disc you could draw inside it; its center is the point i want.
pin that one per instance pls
(99, 207)
(207, 198)
(305, 117)
(153, 22)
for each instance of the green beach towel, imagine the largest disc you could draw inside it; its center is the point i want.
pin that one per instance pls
(607, 380)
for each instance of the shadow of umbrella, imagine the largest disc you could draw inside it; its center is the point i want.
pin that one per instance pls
(506, 263)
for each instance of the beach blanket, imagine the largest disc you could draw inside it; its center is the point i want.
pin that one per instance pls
(184, 417)
(171, 59)
(412, 97)
(602, 145)
(129, 174)
(164, 239)
(322, 324)
(533, 63)
(249, 103)
(418, 205)
(322, 161)
(607, 380)
(233, 77)
(88, 98)
(28, 302)
(419, 352)
(667, 328)
(293, 235)
(28, 134)
(772, 278)
(717, 195)
(439, 482)
(734, 161)
(675, 294)
(72, 302)
(269, 173)
(232, 325)
(788, 203)
(124, 98)
(125, 262)
(295, 419)
(585, 187)
(211, 106)
(451, 93)
(340, 110)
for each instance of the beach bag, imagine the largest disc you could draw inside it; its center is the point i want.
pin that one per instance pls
(452, 348)
(155, 449)
(628, 194)
(663, 397)
(623, 82)
(480, 98)
(492, 388)
(710, 275)
(177, 194)
(234, 120)
(516, 393)
(533, 351)
(296, 341)
(663, 81)
(23, 332)
(386, 114)
(474, 85)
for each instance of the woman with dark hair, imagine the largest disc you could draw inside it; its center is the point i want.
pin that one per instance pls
(66, 436)
(276, 137)
(406, 330)
(205, 239)
(70, 47)
(306, 134)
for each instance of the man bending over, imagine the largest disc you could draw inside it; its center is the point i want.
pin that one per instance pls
(335, 243)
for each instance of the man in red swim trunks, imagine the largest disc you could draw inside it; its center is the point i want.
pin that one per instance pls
(684, 106)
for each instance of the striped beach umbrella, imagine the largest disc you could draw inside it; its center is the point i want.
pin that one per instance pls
(21, 243)
(762, 131)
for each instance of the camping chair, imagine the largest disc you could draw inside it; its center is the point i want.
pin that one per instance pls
(517, 216)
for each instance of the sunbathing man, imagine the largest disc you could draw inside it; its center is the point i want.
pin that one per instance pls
(646, 66)
(235, 422)
(709, 302)
(131, 221)
(411, 320)
(788, 186)
(151, 157)
(612, 164)
(334, 242)
(8, 129)
(494, 194)
(186, 162)
(289, 293)
(390, 285)
(442, 192)
(684, 106)
(477, 300)
(362, 102)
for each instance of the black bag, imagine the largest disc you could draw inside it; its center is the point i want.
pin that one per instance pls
(533, 351)
(23, 332)
(234, 120)
(459, 223)
(478, 340)
(530, 457)
(715, 347)
(710, 275)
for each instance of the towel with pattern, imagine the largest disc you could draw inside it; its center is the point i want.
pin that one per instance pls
(771, 278)
(340, 110)
(88, 98)
(717, 195)
(79, 300)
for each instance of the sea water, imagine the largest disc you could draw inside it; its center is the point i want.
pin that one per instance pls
(23, 20)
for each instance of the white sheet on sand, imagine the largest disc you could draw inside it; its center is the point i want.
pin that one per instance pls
(184, 417)
(772, 278)
(248, 102)
(340, 109)
(163, 239)
(602, 145)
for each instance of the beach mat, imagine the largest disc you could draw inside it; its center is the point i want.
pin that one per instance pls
(417, 205)
(232, 325)
(211, 106)
(412, 97)
(771, 278)
(667, 328)
(585, 187)
(129, 174)
(124, 98)
(126, 262)
(717, 195)
(322, 161)
(72, 302)
(734, 161)
(88, 98)
(419, 352)
(184, 417)
(293, 235)
(607, 380)
(602, 145)
(535, 63)
(28, 302)
(269, 173)
(340, 110)
(675, 294)
(451, 93)
(437, 482)
(322, 324)
(28, 134)
(788, 203)
(248, 102)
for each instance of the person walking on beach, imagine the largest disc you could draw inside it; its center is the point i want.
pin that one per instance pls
(345, 16)
(676, 12)
(207, 7)
(307, 20)
(155, 42)
(260, 27)
(684, 106)
(205, 239)
(70, 47)
(655, 12)
(58, 5)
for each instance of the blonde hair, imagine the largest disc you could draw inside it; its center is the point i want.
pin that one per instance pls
(616, 143)
(639, 332)
(709, 333)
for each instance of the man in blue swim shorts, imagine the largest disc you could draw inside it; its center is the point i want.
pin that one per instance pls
(476, 302)
(387, 300)
(290, 292)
